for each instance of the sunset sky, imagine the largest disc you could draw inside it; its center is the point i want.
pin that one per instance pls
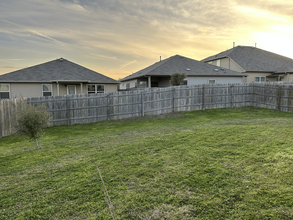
(119, 37)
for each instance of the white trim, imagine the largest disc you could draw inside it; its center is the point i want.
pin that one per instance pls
(74, 90)
(47, 91)
(259, 78)
(8, 90)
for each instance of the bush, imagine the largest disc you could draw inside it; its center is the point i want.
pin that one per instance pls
(31, 121)
(177, 79)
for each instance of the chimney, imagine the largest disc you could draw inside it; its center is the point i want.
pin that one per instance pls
(233, 44)
(255, 44)
(160, 58)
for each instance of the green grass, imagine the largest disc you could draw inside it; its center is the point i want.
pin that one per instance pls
(213, 164)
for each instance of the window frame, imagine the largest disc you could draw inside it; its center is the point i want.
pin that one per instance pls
(96, 91)
(259, 77)
(74, 90)
(212, 80)
(47, 91)
(6, 91)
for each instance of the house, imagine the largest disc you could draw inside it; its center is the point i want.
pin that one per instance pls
(54, 78)
(258, 64)
(159, 74)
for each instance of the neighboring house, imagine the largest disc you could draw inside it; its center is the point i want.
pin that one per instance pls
(57, 77)
(159, 74)
(260, 65)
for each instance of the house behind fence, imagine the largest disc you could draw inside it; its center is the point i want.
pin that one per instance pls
(87, 108)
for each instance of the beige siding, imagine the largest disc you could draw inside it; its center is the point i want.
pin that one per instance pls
(288, 78)
(110, 87)
(234, 66)
(251, 76)
(228, 64)
(225, 63)
(25, 90)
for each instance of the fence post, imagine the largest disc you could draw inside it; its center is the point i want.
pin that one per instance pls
(203, 96)
(68, 110)
(232, 96)
(108, 107)
(142, 104)
(279, 98)
(1, 118)
(251, 95)
(173, 100)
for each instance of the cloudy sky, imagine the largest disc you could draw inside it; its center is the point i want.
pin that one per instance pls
(119, 37)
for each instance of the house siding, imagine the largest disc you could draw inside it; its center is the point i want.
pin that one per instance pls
(228, 63)
(110, 87)
(251, 76)
(205, 80)
(28, 90)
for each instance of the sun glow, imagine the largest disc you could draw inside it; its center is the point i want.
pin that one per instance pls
(277, 40)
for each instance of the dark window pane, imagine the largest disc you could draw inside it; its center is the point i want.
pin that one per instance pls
(100, 88)
(91, 88)
(4, 95)
(47, 93)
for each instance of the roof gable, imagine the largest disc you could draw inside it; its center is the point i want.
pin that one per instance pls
(182, 64)
(56, 70)
(255, 59)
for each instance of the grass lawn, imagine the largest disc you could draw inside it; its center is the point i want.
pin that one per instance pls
(213, 164)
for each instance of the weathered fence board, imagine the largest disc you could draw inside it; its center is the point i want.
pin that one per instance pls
(88, 108)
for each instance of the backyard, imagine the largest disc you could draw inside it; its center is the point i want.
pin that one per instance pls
(212, 164)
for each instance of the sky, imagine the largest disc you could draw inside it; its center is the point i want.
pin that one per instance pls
(119, 37)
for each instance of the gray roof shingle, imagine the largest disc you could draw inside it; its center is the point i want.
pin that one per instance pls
(56, 70)
(255, 59)
(182, 64)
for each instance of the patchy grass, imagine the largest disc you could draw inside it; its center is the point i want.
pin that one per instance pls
(213, 164)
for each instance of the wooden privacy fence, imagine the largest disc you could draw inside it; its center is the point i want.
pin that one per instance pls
(79, 109)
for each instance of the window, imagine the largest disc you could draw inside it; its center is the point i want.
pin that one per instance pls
(47, 90)
(95, 88)
(184, 82)
(142, 84)
(4, 91)
(71, 90)
(260, 79)
(211, 62)
(212, 81)
(127, 85)
(218, 63)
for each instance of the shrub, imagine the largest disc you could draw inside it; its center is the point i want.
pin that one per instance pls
(31, 121)
(177, 79)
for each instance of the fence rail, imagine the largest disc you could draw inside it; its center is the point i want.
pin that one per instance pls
(80, 109)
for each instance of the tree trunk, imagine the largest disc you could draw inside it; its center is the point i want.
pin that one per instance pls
(37, 143)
